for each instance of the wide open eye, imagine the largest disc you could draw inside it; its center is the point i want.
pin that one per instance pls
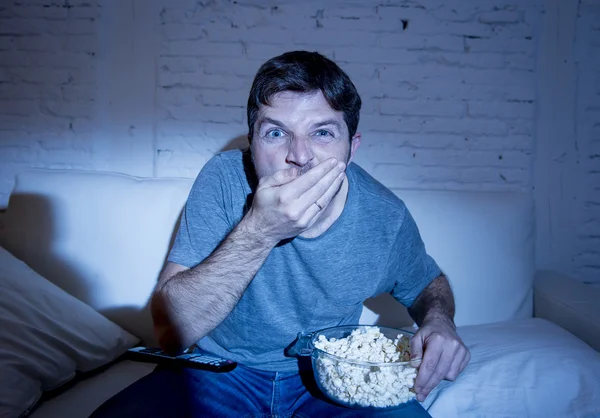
(275, 133)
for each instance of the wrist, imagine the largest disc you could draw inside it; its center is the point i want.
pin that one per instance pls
(254, 234)
(435, 316)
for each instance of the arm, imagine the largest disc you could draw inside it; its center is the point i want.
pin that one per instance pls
(435, 301)
(187, 304)
(443, 353)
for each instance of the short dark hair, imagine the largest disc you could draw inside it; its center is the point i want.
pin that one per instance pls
(304, 72)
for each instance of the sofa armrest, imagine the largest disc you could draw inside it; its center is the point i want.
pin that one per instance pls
(569, 303)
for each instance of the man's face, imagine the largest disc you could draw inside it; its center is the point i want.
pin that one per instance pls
(299, 130)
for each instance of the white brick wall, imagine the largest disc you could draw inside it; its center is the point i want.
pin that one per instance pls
(47, 85)
(586, 257)
(449, 88)
(567, 147)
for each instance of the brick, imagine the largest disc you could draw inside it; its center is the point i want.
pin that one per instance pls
(480, 61)
(500, 16)
(45, 43)
(11, 59)
(261, 35)
(395, 124)
(185, 31)
(201, 48)
(230, 66)
(264, 52)
(179, 96)
(221, 98)
(407, 40)
(509, 45)
(217, 114)
(33, 123)
(421, 72)
(181, 64)
(23, 26)
(467, 29)
(72, 27)
(438, 90)
(392, 89)
(395, 175)
(18, 91)
(454, 12)
(79, 93)
(84, 11)
(376, 56)
(371, 24)
(7, 43)
(498, 109)
(63, 60)
(327, 37)
(67, 109)
(422, 108)
(519, 61)
(47, 11)
(19, 107)
(81, 43)
(44, 76)
(209, 81)
(508, 176)
(360, 70)
(18, 154)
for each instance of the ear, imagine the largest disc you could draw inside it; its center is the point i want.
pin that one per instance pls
(354, 144)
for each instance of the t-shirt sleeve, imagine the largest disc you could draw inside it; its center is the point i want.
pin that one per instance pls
(410, 264)
(204, 222)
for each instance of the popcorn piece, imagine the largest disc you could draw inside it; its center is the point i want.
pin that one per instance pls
(366, 385)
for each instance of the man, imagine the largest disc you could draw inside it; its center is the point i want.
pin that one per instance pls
(288, 236)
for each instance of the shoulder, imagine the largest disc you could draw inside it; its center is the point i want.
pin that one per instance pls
(374, 197)
(223, 170)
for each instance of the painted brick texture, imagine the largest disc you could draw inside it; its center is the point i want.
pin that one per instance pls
(586, 243)
(448, 87)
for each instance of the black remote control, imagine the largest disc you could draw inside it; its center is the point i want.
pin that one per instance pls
(190, 360)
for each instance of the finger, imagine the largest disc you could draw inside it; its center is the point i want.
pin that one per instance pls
(435, 378)
(280, 177)
(449, 352)
(324, 190)
(310, 208)
(416, 347)
(431, 358)
(307, 180)
(457, 364)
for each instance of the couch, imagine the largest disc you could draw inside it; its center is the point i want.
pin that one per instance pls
(81, 251)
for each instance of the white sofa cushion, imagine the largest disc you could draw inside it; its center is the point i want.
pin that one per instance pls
(102, 237)
(523, 368)
(484, 242)
(47, 336)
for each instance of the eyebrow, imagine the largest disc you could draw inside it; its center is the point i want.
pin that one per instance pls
(332, 122)
(275, 122)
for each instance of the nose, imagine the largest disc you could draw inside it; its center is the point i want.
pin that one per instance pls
(300, 152)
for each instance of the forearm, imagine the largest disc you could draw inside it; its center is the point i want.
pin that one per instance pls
(435, 301)
(191, 303)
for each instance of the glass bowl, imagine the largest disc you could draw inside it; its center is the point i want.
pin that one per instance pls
(360, 384)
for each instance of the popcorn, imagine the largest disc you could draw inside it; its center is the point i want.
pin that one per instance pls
(366, 385)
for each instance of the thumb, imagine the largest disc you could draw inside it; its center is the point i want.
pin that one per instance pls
(416, 347)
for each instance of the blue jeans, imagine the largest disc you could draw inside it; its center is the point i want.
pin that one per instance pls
(243, 392)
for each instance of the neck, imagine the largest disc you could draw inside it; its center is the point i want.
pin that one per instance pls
(330, 214)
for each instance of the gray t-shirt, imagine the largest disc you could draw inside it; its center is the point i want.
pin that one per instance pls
(304, 284)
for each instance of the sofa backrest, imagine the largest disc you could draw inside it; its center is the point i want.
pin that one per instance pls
(103, 237)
